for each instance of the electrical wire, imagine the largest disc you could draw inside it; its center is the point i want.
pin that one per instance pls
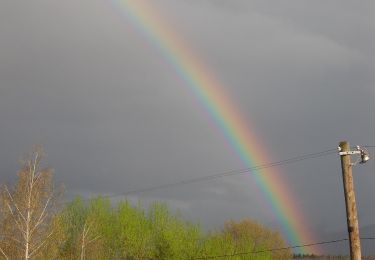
(231, 173)
(254, 170)
(283, 248)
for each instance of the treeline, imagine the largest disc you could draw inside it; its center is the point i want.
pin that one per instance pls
(34, 225)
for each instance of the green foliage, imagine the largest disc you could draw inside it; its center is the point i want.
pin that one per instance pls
(95, 229)
(126, 231)
(239, 239)
(133, 232)
(173, 238)
(248, 234)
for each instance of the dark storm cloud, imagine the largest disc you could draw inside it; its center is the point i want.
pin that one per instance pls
(113, 116)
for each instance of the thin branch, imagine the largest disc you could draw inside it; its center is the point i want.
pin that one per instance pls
(92, 240)
(40, 245)
(85, 234)
(15, 219)
(42, 215)
(20, 246)
(86, 231)
(39, 223)
(14, 203)
(34, 164)
(38, 175)
(14, 239)
(1, 251)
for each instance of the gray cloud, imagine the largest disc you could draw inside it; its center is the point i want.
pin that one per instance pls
(114, 117)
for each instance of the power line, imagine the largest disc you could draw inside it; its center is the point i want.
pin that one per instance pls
(253, 169)
(232, 172)
(367, 238)
(283, 248)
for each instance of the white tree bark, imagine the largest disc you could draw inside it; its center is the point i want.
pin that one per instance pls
(28, 205)
(85, 241)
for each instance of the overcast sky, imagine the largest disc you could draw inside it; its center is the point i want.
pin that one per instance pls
(112, 116)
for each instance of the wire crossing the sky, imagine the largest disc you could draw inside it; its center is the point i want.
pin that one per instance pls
(253, 170)
(282, 248)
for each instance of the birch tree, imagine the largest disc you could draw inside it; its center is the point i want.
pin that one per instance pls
(87, 238)
(27, 209)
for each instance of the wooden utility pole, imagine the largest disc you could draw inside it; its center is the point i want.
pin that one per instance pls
(351, 209)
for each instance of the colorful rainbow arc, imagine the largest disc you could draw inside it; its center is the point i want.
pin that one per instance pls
(212, 96)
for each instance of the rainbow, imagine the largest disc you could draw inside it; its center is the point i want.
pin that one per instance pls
(211, 94)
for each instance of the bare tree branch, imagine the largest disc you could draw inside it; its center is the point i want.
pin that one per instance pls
(28, 209)
(15, 204)
(14, 239)
(40, 245)
(3, 253)
(42, 215)
(84, 241)
(18, 224)
(93, 240)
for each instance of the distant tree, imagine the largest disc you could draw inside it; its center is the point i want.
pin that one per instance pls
(81, 224)
(87, 237)
(133, 231)
(172, 236)
(217, 244)
(27, 209)
(32, 226)
(95, 229)
(249, 235)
